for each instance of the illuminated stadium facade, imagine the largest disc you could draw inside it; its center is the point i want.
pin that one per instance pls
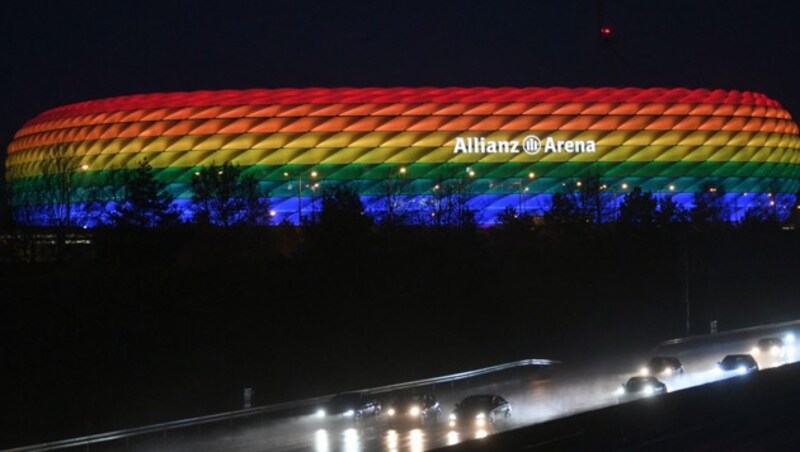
(501, 146)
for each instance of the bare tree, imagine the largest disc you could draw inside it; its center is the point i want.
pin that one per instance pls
(449, 205)
(59, 191)
(59, 185)
(223, 196)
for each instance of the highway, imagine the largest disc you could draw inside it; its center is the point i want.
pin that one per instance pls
(537, 394)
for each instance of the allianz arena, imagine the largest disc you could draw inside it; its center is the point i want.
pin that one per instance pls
(672, 142)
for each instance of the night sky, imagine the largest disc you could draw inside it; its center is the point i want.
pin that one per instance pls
(58, 52)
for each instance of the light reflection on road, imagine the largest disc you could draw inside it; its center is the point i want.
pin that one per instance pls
(321, 441)
(452, 438)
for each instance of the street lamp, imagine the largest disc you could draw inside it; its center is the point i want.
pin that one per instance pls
(519, 183)
(313, 175)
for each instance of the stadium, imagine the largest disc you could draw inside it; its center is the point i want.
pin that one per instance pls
(499, 146)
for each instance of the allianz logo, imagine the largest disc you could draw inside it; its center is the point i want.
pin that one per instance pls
(530, 144)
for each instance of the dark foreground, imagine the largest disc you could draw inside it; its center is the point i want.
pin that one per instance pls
(122, 339)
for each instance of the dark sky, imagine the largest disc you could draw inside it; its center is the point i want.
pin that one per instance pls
(58, 52)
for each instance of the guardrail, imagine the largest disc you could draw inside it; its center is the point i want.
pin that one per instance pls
(727, 333)
(85, 441)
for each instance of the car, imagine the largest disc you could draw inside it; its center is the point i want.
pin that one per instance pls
(664, 366)
(772, 347)
(414, 407)
(480, 410)
(639, 387)
(738, 364)
(355, 405)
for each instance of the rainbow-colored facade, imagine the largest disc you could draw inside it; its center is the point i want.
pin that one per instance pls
(668, 141)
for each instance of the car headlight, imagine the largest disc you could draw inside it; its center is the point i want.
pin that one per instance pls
(775, 350)
(644, 371)
(480, 416)
(414, 411)
(741, 370)
(648, 390)
(320, 413)
(453, 417)
(754, 351)
(390, 411)
(349, 413)
(789, 338)
(667, 371)
(620, 391)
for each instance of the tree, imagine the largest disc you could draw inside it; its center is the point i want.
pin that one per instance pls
(764, 212)
(449, 205)
(58, 193)
(59, 185)
(145, 200)
(670, 212)
(510, 220)
(223, 196)
(592, 200)
(709, 205)
(395, 211)
(342, 210)
(638, 208)
(794, 211)
(564, 211)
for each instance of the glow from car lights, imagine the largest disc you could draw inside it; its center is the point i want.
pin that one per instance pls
(452, 417)
(349, 413)
(667, 372)
(481, 433)
(417, 440)
(754, 351)
(480, 416)
(390, 411)
(648, 390)
(620, 391)
(414, 411)
(351, 440)
(775, 350)
(321, 443)
(789, 338)
(320, 413)
(741, 370)
(644, 371)
(392, 440)
(452, 438)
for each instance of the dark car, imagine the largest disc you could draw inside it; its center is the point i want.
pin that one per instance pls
(769, 347)
(664, 366)
(354, 405)
(738, 364)
(415, 407)
(638, 387)
(480, 410)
